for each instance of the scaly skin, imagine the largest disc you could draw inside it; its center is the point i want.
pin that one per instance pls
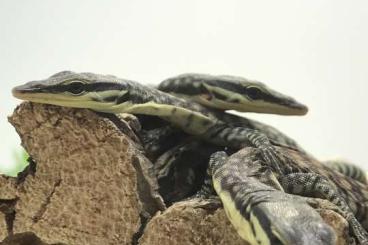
(239, 176)
(204, 88)
(232, 93)
(311, 178)
(112, 95)
(306, 177)
(348, 169)
(181, 170)
(257, 206)
(240, 94)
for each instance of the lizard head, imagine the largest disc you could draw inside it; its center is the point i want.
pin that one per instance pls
(80, 90)
(294, 223)
(257, 206)
(232, 93)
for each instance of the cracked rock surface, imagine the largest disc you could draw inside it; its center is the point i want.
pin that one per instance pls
(89, 183)
(191, 222)
(84, 186)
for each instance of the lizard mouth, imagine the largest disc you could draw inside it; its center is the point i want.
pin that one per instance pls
(292, 107)
(20, 91)
(298, 108)
(39, 96)
(289, 110)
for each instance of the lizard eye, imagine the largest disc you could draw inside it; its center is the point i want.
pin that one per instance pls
(75, 88)
(254, 93)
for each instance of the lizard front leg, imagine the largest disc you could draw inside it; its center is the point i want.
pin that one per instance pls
(240, 137)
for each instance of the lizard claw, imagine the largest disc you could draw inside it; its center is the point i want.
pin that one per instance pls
(272, 157)
(278, 161)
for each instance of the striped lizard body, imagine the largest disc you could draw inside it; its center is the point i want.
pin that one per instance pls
(259, 209)
(113, 95)
(236, 93)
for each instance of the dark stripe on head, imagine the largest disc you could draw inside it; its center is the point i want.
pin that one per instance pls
(251, 93)
(89, 87)
(230, 86)
(182, 86)
(246, 92)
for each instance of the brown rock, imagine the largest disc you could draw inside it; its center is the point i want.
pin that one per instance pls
(191, 222)
(25, 238)
(85, 187)
(338, 223)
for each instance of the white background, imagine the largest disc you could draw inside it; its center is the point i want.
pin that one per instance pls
(315, 51)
